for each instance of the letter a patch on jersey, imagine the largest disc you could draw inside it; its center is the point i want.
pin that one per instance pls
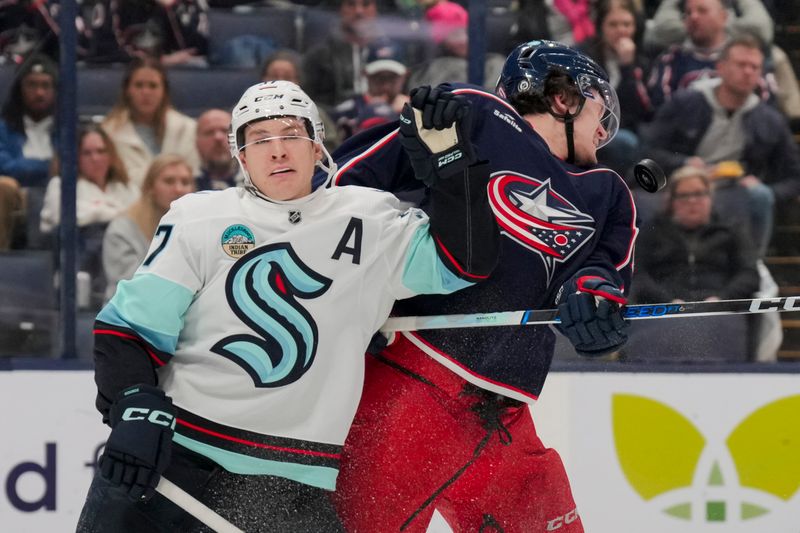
(262, 289)
(533, 214)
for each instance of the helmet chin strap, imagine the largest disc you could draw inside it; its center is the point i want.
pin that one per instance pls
(569, 128)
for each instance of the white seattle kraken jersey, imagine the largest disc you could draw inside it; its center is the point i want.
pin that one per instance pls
(261, 312)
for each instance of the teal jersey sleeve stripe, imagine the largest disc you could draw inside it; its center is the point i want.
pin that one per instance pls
(152, 307)
(424, 272)
(323, 477)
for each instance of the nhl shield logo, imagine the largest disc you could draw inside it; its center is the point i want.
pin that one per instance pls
(295, 217)
(537, 217)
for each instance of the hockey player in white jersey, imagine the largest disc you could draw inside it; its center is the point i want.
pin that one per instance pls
(232, 362)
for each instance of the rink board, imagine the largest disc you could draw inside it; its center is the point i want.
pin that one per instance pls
(645, 452)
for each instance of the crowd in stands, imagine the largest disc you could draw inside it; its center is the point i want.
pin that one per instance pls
(704, 90)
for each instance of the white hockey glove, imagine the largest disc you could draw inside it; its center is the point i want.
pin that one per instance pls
(434, 131)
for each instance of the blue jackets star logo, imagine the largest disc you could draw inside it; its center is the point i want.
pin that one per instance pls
(537, 217)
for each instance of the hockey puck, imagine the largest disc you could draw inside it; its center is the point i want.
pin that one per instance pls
(649, 175)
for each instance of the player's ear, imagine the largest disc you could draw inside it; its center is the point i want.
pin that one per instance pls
(559, 104)
(317, 152)
(243, 159)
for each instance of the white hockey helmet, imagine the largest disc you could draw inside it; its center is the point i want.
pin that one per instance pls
(275, 99)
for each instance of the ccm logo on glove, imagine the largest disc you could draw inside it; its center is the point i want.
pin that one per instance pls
(151, 415)
(449, 158)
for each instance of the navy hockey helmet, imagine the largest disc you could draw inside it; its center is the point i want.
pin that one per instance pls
(529, 64)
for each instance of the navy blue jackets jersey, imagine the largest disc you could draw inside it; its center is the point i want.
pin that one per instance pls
(555, 219)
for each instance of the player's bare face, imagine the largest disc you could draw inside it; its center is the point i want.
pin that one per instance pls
(280, 157)
(145, 93)
(171, 183)
(589, 132)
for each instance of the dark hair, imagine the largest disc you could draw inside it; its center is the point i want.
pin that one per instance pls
(14, 106)
(601, 10)
(557, 82)
(284, 54)
(123, 105)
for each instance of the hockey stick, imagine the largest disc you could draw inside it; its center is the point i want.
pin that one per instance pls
(533, 317)
(194, 507)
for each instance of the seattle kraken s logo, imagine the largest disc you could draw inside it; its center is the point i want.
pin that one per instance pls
(262, 288)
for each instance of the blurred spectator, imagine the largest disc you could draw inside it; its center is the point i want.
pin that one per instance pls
(386, 76)
(670, 22)
(722, 120)
(11, 211)
(143, 122)
(747, 16)
(26, 27)
(615, 48)
(570, 21)
(128, 236)
(218, 170)
(681, 65)
(103, 191)
(448, 24)
(285, 64)
(27, 127)
(688, 253)
(333, 69)
(175, 31)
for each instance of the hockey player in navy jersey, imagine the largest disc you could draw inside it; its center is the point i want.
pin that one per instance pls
(232, 362)
(444, 421)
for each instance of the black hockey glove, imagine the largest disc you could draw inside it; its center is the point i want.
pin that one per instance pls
(139, 448)
(589, 311)
(434, 131)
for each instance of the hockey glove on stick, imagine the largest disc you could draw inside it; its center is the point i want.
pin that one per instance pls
(589, 310)
(434, 131)
(139, 448)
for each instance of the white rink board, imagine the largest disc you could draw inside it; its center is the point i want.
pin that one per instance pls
(574, 416)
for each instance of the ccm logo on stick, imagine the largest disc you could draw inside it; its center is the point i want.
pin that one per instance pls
(769, 304)
(155, 416)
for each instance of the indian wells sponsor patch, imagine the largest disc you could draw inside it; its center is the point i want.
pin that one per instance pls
(237, 240)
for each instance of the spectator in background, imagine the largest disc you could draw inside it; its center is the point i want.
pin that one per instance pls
(285, 65)
(11, 211)
(218, 170)
(688, 254)
(143, 122)
(103, 191)
(669, 25)
(333, 69)
(128, 236)
(681, 65)
(384, 99)
(27, 127)
(723, 120)
(691, 254)
(448, 26)
(174, 31)
(615, 48)
(570, 21)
